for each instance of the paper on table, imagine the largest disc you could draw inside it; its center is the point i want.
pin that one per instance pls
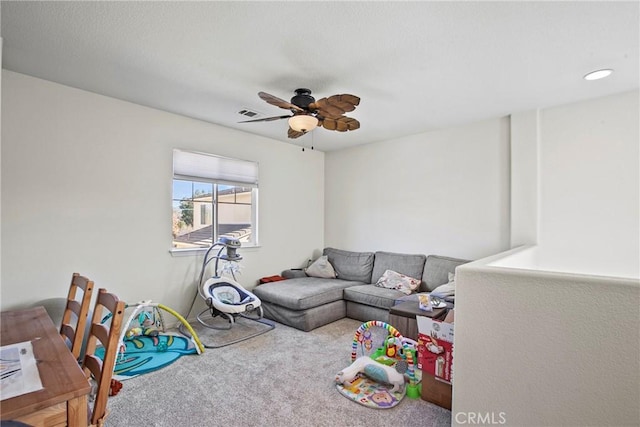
(18, 370)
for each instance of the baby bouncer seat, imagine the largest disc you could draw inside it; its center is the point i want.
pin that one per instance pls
(226, 298)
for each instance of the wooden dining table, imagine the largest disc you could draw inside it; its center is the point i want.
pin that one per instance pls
(62, 401)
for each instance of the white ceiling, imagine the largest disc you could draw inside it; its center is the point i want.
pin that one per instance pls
(417, 66)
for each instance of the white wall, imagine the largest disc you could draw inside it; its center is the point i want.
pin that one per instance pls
(444, 192)
(558, 342)
(524, 178)
(590, 187)
(546, 349)
(86, 187)
(575, 186)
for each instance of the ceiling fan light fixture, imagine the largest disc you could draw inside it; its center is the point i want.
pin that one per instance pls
(303, 123)
(308, 113)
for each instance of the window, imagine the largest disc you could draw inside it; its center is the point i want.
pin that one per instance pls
(213, 197)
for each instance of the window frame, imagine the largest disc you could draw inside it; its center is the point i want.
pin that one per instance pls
(246, 177)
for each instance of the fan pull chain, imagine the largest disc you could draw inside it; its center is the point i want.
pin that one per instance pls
(312, 138)
(305, 140)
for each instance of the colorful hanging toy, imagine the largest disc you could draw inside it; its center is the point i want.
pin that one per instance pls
(379, 379)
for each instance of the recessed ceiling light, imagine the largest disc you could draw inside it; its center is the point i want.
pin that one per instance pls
(599, 74)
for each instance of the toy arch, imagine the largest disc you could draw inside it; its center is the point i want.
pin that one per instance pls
(157, 307)
(392, 331)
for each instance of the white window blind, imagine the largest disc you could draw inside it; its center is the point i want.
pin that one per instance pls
(193, 166)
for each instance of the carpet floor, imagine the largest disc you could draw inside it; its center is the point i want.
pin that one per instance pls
(284, 377)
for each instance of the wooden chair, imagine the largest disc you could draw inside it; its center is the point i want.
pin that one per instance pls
(108, 334)
(73, 328)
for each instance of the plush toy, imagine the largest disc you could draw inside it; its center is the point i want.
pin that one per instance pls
(374, 370)
(133, 332)
(114, 387)
(147, 326)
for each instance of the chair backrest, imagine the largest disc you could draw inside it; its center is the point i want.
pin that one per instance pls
(107, 306)
(74, 319)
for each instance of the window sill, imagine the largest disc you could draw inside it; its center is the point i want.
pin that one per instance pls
(202, 251)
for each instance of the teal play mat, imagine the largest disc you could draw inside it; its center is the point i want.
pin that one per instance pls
(144, 354)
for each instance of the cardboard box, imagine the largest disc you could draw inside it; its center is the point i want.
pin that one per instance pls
(437, 364)
(436, 391)
(435, 347)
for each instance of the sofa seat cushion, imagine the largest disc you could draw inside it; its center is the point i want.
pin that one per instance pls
(306, 320)
(436, 271)
(365, 313)
(303, 293)
(372, 295)
(409, 265)
(356, 266)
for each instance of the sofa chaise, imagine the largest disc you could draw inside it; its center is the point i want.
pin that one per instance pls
(307, 303)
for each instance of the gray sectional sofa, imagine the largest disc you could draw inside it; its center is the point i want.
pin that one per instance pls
(307, 303)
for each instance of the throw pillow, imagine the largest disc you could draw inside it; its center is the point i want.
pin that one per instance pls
(393, 280)
(446, 290)
(321, 268)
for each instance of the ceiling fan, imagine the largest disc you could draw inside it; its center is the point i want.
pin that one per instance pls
(309, 113)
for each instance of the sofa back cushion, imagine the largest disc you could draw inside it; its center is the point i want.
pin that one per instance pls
(409, 265)
(436, 271)
(354, 266)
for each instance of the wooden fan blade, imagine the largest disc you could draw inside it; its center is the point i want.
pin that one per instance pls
(329, 123)
(352, 124)
(335, 106)
(274, 100)
(266, 119)
(294, 134)
(350, 99)
(341, 124)
(325, 109)
(344, 102)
